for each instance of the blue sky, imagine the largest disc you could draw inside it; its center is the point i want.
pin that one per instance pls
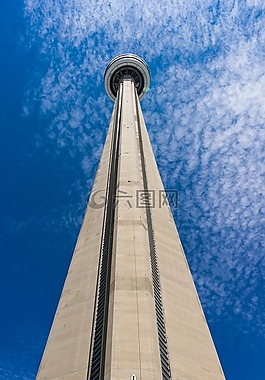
(205, 114)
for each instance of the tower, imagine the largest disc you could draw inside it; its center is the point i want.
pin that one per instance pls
(129, 308)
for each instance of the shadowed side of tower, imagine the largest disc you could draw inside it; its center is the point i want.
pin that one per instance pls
(129, 308)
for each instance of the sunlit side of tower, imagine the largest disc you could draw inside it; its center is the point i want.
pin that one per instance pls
(129, 308)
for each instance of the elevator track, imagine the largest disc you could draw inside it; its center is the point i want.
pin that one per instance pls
(160, 320)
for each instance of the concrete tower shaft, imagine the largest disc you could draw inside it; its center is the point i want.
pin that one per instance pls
(129, 308)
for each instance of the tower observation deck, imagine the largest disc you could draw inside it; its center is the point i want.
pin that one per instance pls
(127, 66)
(129, 308)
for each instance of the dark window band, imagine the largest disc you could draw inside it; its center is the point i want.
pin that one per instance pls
(97, 354)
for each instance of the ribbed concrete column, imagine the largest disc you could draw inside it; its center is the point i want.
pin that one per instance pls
(129, 308)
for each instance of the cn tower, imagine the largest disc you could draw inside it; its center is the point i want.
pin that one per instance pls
(129, 309)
